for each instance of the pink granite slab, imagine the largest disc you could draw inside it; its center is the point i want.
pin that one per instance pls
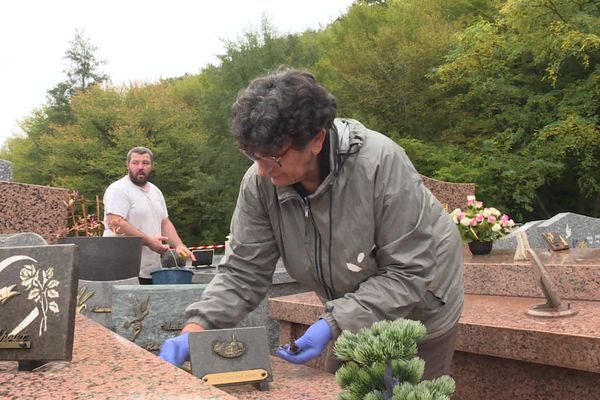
(451, 195)
(104, 366)
(480, 377)
(493, 325)
(499, 326)
(291, 381)
(33, 208)
(576, 274)
(303, 308)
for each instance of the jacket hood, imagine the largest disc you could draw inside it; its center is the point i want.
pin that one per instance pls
(346, 137)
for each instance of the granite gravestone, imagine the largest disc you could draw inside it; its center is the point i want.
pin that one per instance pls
(107, 258)
(149, 314)
(579, 230)
(5, 170)
(231, 356)
(94, 299)
(38, 287)
(22, 239)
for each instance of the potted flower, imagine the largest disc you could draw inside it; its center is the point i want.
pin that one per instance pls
(479, 226)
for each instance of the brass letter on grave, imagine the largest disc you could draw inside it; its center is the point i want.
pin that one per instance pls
(102, 310)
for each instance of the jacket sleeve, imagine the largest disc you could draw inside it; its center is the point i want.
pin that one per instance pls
(245, 273)
(404, 249)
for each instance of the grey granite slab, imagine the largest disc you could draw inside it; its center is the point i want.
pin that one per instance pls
(22, 239)
(149, 314)
(579, 230)
(576, 228)
(94, 299)
(5, 170)
(529, 228)
(38, 289)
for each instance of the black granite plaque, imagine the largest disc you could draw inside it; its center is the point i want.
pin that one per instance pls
(107, 258)
(231, 356)
(38, 290)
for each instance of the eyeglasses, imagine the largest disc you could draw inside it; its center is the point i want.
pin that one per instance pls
(272, 161)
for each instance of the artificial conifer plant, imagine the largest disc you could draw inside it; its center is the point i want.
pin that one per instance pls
(381, 364)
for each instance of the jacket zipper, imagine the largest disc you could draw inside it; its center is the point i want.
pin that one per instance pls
(318, 264)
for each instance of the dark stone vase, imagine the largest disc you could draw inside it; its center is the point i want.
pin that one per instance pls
(107, 258)
(480, 248)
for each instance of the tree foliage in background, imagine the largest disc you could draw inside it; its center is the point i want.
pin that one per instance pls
(523, 91)
(504, 94)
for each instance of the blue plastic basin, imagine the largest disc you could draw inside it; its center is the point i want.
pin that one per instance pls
(173, 276)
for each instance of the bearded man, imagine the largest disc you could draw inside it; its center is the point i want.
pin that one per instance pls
(133, 206)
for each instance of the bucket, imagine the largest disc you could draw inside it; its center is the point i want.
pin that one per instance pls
(174, 276)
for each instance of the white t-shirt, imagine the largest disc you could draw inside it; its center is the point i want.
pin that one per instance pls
(144, 208)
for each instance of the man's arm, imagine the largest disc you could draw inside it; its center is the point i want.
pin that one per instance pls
(121, 226)
(169, 231)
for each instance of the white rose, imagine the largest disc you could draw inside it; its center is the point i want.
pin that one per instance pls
(494, 211)
(496, 228)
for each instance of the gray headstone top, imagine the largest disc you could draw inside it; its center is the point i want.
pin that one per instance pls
(5, 170)
(22, 239)
(579, 230)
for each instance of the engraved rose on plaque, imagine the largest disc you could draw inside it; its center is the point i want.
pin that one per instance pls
(37, 303)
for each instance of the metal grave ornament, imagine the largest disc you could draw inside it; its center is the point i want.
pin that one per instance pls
(150, 314)
(38, 290)
(554, 306)
(231, 356)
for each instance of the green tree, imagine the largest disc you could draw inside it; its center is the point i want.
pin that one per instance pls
(378, 59)
(82, 71)
(523, 93)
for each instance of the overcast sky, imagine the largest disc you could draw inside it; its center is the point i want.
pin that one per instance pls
(141, 40)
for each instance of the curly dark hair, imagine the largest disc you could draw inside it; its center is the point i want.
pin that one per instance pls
(286, 107)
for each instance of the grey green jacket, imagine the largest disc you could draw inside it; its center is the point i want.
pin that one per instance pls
(372, 242)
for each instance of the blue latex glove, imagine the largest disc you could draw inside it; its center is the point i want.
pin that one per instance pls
(176, 350)
(310, 345)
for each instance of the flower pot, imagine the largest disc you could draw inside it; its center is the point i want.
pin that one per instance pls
(107, 258)
(480, 248)
(174, 276)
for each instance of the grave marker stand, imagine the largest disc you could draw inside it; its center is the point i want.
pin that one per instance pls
(231, 356)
